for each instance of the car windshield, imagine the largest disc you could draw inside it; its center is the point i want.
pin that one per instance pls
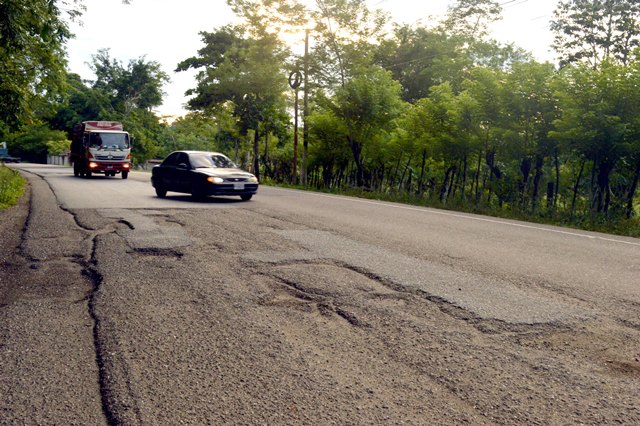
(211, 160)
(109, 140)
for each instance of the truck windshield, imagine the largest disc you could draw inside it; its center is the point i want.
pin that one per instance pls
(109, 140)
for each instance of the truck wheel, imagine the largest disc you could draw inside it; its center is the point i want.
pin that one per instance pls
(246, 197)
(76, 170)
(161, 192)
(87, 174)
(125, 174)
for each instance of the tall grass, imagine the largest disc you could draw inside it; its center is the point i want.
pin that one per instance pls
(11, 187)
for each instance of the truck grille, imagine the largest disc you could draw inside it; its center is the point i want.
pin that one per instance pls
(111, 157)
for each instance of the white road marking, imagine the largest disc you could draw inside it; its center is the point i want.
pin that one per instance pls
(464, 216)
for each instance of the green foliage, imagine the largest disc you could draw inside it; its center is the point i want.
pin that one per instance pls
(58, 147)
(137, 86)
(593, 31)
(11, 187)
(367, 105)
(594, 121)
(81, 103)
(471, 18)
(243, 73)
(31, 142)
(32, 57)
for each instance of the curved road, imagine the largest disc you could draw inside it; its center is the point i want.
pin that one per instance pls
(308, 308)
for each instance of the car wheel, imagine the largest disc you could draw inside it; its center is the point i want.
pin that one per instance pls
(125, 174)
(161, 192)
(246, 197)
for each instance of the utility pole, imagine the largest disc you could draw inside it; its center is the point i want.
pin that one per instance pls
(305, 110)
(295, 79)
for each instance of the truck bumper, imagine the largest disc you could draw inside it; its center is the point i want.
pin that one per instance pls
(101, 166)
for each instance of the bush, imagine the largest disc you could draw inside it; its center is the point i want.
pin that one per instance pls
(11, 187)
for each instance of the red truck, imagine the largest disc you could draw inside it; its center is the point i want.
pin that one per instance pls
(100, 147)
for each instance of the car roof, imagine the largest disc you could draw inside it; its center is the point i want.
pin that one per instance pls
(201, 152)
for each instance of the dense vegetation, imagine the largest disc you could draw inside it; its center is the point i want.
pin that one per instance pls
(11, 187)
(438, 114)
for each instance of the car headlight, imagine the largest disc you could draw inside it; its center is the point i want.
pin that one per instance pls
(253, 179)
(215, 179)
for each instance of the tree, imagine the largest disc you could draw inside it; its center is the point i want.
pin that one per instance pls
(32, 143)
(243, 71)
(346, 32)
(420, 58)
(592, 121)
(471, 18)
(81, 103)
(593, 31)
(367, 105)
(138, 86)
(531, 105)
(32, 57)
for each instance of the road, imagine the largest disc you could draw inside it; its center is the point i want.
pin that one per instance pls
(303, 308)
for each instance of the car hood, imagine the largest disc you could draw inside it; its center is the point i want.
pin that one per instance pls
(223, 173)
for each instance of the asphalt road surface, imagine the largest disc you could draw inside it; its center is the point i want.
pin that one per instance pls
(117, 307)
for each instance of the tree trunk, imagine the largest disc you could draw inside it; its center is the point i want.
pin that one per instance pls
(424, 162)
(265, 157)
(404, 172)
(536, 182)
(477, 177)
(445, 184)
(632, 191)
(576, 186)
(394, 177)
(256, 154)
(592, 191)
(604, 191)
(525, 169)
(356, 149)
(555, 195)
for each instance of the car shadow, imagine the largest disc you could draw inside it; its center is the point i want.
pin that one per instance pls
(207, 200)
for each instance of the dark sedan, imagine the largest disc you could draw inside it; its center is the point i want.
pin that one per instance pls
(201, 174)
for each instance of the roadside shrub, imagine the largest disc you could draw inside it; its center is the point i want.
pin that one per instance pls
(11, 187)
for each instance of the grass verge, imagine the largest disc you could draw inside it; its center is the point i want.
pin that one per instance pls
(12, 187)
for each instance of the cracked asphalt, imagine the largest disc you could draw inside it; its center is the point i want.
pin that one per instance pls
(294, 311)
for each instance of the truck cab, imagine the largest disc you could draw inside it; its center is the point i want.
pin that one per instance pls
(100, 147)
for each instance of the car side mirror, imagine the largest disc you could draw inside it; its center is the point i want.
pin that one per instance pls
(183, 166)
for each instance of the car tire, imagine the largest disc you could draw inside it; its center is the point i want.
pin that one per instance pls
(246, 197)
(161, 192)
(125, 174)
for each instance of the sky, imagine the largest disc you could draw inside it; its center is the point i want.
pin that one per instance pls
(166, 31)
